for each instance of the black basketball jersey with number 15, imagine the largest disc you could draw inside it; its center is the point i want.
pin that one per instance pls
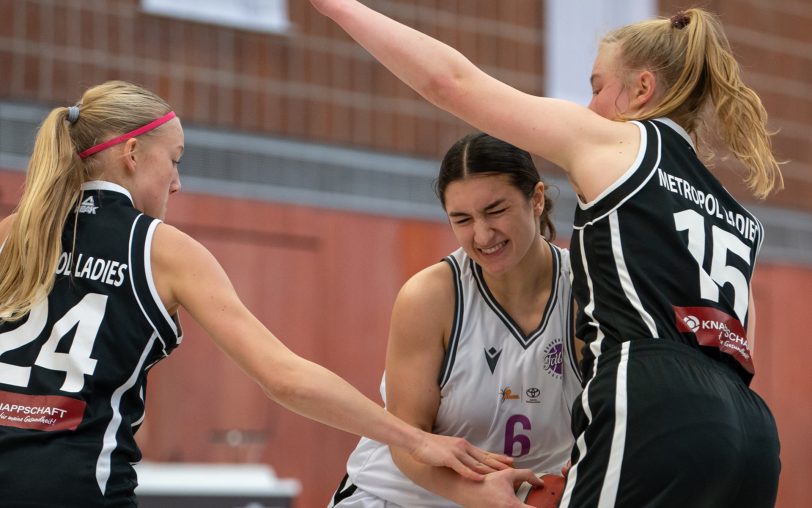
(73, 372)
(666, 252)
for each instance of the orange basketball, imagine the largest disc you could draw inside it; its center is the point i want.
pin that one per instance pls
(549, 495)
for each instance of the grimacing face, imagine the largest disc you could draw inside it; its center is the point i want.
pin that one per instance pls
(492, 220)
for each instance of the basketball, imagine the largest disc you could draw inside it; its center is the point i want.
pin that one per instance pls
(547, 496)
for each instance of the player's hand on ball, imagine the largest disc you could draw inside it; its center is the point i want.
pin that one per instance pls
(460, 455)
(498, 489)
(545, 496)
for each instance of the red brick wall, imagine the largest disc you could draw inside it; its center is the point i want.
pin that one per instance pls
(313, 83)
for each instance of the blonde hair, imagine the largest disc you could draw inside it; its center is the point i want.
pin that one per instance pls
(691, 56)
(53, 185)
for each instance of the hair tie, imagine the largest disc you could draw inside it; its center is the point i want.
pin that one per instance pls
(680, 20)
(73, 114)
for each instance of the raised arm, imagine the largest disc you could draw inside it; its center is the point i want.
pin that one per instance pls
(188, 275)
(569, 135)
(420, 326)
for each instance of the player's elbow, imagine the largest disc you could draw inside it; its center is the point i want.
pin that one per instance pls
(279, 380)
(443, 89)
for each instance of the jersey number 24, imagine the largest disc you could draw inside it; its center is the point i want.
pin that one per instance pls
(86, 317)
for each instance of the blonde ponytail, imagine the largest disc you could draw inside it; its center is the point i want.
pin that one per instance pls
(53, 185)
(31, 251)
(692, 60)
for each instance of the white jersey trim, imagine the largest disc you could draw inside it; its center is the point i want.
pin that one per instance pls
(625, 176)
(104, 461)
(678, 129)
(625, 277)
(611, 481)
(134, 286)
(148, 274)
(151, 281)
(107, 186)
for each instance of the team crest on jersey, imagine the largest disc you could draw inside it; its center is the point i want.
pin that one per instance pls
(88, 206)
(492, 356)
(554, 358)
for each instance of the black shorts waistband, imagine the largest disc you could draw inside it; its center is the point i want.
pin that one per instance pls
(662, 347)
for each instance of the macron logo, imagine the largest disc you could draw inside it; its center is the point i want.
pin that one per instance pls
(88, 206)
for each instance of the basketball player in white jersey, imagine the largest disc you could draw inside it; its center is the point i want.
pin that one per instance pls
(481, 343)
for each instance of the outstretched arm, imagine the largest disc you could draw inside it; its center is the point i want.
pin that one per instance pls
(187, 275)
(569, 135)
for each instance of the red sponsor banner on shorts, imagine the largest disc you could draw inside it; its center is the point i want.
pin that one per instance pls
(718, 329)
(40, 412)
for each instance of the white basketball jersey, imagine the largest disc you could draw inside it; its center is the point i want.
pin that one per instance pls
(501, 389)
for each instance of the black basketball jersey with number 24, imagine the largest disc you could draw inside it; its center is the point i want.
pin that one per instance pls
(666, 252)
(73, 372)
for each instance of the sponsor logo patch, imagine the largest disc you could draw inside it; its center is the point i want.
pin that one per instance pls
(718, 329)
(532, 395)
(40, 412)
(507, 394)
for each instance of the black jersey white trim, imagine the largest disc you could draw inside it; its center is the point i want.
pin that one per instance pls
(638, 161)
(627, 185)
(572, 354)
(109, 442)
(589, 310)
(625, 277)
(143, 285)
(106, 186)
(151, 282)
(612, 480)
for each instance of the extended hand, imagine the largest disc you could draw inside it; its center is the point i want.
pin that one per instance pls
(498, 490)
(459, 455)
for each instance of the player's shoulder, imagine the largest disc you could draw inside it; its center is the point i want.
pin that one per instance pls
(429, 291)
(430, 283)
(175, 251)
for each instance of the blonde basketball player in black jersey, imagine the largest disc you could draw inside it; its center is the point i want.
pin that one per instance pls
(481, 343)
(91, 282)
(662, 255)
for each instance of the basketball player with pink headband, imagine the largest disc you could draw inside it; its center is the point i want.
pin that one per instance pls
(91, 281)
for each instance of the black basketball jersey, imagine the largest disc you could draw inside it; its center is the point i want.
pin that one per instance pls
(667, 253)
(73, 372)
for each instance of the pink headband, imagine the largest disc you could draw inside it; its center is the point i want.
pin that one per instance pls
(124, 137)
